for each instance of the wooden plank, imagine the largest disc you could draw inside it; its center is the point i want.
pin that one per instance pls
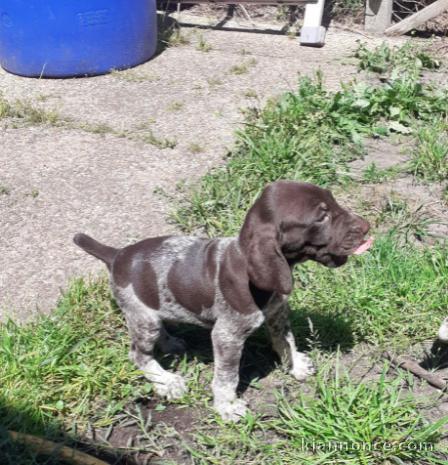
(417, 19)
(312, 32)
(250, 2)
(378, 16)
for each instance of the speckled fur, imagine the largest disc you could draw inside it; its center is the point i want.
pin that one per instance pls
(230, 330)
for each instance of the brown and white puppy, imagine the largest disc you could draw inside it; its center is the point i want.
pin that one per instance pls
(231, 285)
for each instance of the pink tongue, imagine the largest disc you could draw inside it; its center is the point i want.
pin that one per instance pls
(364, 246)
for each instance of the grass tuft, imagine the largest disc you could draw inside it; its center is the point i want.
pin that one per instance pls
(429, 160)
(357, 423)
(25, 112)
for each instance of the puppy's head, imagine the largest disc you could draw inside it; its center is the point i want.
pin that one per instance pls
(292, 222)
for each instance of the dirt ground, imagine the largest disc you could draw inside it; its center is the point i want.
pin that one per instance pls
(57, 181)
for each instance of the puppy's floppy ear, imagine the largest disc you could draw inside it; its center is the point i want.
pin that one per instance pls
(259, 239)
(267, 267)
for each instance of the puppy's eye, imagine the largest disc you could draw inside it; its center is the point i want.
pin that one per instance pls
(323, 219)
(323, 213)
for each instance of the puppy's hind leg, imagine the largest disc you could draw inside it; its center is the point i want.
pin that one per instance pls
(145, 328)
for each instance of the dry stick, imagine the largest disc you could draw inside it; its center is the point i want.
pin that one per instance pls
(411, 22)
(413, 367)
(46, 447)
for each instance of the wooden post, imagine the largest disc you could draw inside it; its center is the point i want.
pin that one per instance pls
(378, 16)
(312, 32)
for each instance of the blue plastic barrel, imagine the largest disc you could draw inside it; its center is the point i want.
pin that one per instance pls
(63, 38)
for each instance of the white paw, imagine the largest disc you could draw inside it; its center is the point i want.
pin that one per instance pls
(302, 366)
(231, 411)
(443, 331)
(171, 386)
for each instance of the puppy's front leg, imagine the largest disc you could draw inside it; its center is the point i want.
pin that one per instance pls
(283, 342)
(228, 338)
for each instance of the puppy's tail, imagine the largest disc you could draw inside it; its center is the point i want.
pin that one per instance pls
(95, 248)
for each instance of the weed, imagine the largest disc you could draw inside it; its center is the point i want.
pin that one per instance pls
(250, 93)
(282, 12)
(239, 69)
(93, 128)
(373, 175)
(292, 33)
(146, 135)
(25, 112)
(177, 38)
(357, 423)
(43, 97)
(429, 159)
(203, 45)
(33, 194)
(310, 135)
(350, 8)
(195, 148)
(162, 143)
(445, 194)
(4, 190)
(214, 82)
(409, 224)
(405, 59)
(131, 75)
(175, 106)
(243, 68)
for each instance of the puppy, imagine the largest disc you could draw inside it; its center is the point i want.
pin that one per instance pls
(231, 285)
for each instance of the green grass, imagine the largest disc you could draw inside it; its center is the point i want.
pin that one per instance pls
(395, 295)
(343, 422)
(71, 366)
(429, 159)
